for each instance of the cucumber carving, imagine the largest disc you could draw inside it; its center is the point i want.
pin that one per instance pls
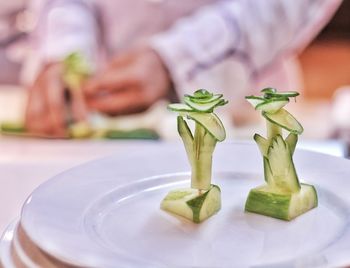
(282, 196)
(75, 71)
(203, 199)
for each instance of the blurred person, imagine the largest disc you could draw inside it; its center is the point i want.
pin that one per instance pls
(12, 39)
(145, 50)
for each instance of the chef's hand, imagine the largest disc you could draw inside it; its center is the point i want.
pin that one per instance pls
(45, 106)
(46, 111)
(131, 83)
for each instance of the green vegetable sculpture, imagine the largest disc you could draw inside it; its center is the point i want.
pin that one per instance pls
(76, 70)
(283, 196)
(203, 199)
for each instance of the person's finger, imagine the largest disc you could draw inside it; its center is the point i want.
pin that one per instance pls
(35, 111)
(78, 106)
(124, 102)
(35, 104)
(109, 81)
(40, 125)
(54, 93)
(122, 60)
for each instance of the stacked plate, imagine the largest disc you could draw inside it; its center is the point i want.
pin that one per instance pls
(106, 214)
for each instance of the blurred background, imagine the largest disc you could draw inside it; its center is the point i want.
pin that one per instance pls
(324, 80)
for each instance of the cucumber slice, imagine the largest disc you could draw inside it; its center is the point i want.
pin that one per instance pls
(204, 107)
(262, 143)
(292, 140)
(303, 201)
(288, 94)
(176, 202)
(264, 149)
(206, 100)
(272, 202)
(272, 131)
(186, 136)
(206, 204)
(135, 134)
(268, 90)
(271, 106)
(76, 70)
(13, 127)
(280, 160)
(203, 148)
(254, 101)
(211, 123)
(179, 107)
(202, 94)
(285, 120)
(193, 204)
(268, 176)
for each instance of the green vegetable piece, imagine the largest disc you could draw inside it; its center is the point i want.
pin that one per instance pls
(272, 106)
(76, 70)
(211, 123)
(285, 206)
(262, 143)
(204, 107)
(192, 204)
(187, 138)
(202, 94)
(268, 172)
(280, 160)
(292, 140)
(285, 120)
(13, 127)
(138, 134)
(288, 94)
(180, 107)
(199, 151)
(80, 130)
(254, 101)
(204, 100)
(268, 90)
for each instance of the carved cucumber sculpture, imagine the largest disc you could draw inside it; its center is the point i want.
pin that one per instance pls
(203, 199)
(282, 196)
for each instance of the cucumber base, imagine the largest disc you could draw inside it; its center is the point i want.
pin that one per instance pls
(193, 204)
(285, 206)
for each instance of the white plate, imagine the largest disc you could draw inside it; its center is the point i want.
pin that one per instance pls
(5, 246)
(106, 213)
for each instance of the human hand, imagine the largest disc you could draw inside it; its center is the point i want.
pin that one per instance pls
(46, 111)
(131, 83)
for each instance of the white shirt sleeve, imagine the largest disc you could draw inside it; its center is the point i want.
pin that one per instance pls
(62, 27)
(251, 33)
